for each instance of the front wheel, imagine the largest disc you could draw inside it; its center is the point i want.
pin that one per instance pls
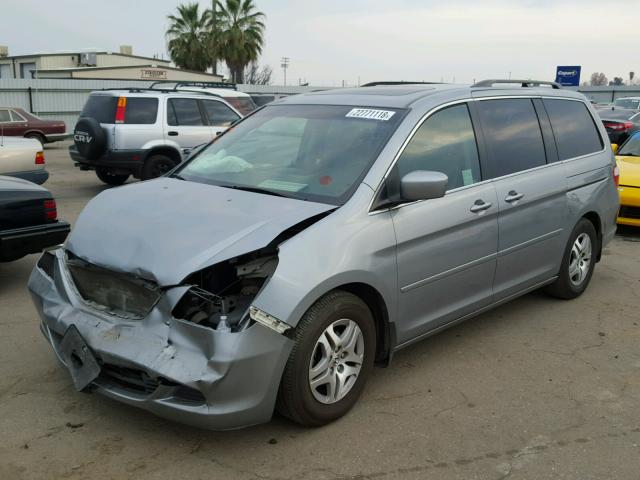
(578, 262)
(334, 350)
(110, 178)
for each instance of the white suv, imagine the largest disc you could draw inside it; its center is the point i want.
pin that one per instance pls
(243, 102)
(145, 132)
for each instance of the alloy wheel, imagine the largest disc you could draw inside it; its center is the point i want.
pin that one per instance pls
(336, 361)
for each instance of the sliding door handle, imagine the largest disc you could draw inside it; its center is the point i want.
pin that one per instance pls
(513, 196)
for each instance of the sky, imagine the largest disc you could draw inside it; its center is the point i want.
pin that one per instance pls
(356, 41)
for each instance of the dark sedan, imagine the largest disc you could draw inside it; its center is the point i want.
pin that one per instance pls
(17, 122)
(28, 219)
(620, 123)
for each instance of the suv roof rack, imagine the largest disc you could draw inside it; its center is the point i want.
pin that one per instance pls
(159, 90)
(376, 84)
(230, 86)
(523, 83)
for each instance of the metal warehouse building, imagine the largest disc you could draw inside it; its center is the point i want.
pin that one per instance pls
(94, 65)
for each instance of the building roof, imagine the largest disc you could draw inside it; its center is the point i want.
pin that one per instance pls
(58, 54)
(121, 67)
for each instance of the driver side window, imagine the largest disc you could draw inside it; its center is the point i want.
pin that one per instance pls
(445, 143)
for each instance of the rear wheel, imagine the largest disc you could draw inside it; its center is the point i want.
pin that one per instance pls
(157, 165)
(110, 178)
(333, 354)
(578, 262)
(36, 136)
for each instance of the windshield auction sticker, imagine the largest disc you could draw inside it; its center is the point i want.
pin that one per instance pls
(370, 114)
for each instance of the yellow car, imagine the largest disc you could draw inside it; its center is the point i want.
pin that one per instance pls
(628, 160)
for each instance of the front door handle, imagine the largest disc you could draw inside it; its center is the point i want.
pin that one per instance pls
(173, 133)
(480, 206)
(513, 196)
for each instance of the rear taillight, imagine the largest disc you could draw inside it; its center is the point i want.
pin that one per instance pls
(121, 109)
(616, 175)
(40, 158)
(618, 126)
(50, 210)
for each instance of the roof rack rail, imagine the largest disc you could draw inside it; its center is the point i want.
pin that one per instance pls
(523, 83)
(176, 84)
(376, 84)
(160, 90)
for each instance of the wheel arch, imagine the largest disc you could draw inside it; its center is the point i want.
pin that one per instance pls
(385, 335)
(596, 221)
(169, 151)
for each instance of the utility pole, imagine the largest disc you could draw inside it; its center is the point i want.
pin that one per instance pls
(285, 64)
(214, 37)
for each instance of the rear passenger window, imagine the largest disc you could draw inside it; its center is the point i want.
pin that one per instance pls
(573, 128)
(218, 114)
(513, 135)
(141, 111)
(184, 112)
(4, 116)
(445, 143)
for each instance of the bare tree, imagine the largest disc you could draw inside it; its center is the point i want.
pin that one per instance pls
(254, 75)
(598, 78)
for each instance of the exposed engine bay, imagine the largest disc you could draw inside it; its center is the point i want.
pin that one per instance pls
(220, 295)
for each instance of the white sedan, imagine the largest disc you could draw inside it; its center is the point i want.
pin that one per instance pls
(22, 158)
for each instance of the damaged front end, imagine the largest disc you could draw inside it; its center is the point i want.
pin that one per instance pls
(190, 352)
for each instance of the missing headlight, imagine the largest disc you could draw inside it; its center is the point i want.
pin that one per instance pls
(112, 292)
(220, 295)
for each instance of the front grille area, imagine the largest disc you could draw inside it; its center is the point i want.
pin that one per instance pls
(629, 212)
(129, 379)
(140, 383)
(119, 294)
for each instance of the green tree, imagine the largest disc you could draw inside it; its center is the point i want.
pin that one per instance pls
(189, 38)
(240, 31)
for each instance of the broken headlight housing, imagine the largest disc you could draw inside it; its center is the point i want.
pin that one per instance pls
(112, 292)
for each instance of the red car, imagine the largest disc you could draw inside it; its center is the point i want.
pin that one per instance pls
(16, 122)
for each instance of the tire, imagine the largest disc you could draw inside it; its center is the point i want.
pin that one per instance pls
(157, 165)
(110, 178)
(297, 400)
(36, 136)
(89, 138)
(571, 283)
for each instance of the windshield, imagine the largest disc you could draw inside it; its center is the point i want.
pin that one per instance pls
(310, 152)
(633, 104)
(631, 146)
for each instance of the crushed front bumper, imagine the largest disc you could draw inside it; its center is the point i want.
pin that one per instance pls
(173, 368)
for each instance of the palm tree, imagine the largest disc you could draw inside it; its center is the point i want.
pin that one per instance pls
(240, 30)
(188, 38)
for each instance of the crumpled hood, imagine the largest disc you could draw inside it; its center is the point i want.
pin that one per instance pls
(166, 229)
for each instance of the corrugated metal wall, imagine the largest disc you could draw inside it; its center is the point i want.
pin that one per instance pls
(63, 99)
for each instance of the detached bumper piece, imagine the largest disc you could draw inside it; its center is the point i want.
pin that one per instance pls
(174, 368)
(17, 243)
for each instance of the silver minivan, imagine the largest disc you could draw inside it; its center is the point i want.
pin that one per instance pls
(320, 235)
(145, 132)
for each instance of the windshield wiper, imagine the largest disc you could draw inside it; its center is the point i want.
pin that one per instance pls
(179, 177)
(257, 190)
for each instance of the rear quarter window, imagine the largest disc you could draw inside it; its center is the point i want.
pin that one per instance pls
(141, 111)
(573, 128)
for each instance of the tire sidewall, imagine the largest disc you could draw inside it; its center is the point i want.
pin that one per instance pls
(352, 309)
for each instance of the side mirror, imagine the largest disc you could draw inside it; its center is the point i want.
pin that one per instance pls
(423, 185)
(614, 147)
